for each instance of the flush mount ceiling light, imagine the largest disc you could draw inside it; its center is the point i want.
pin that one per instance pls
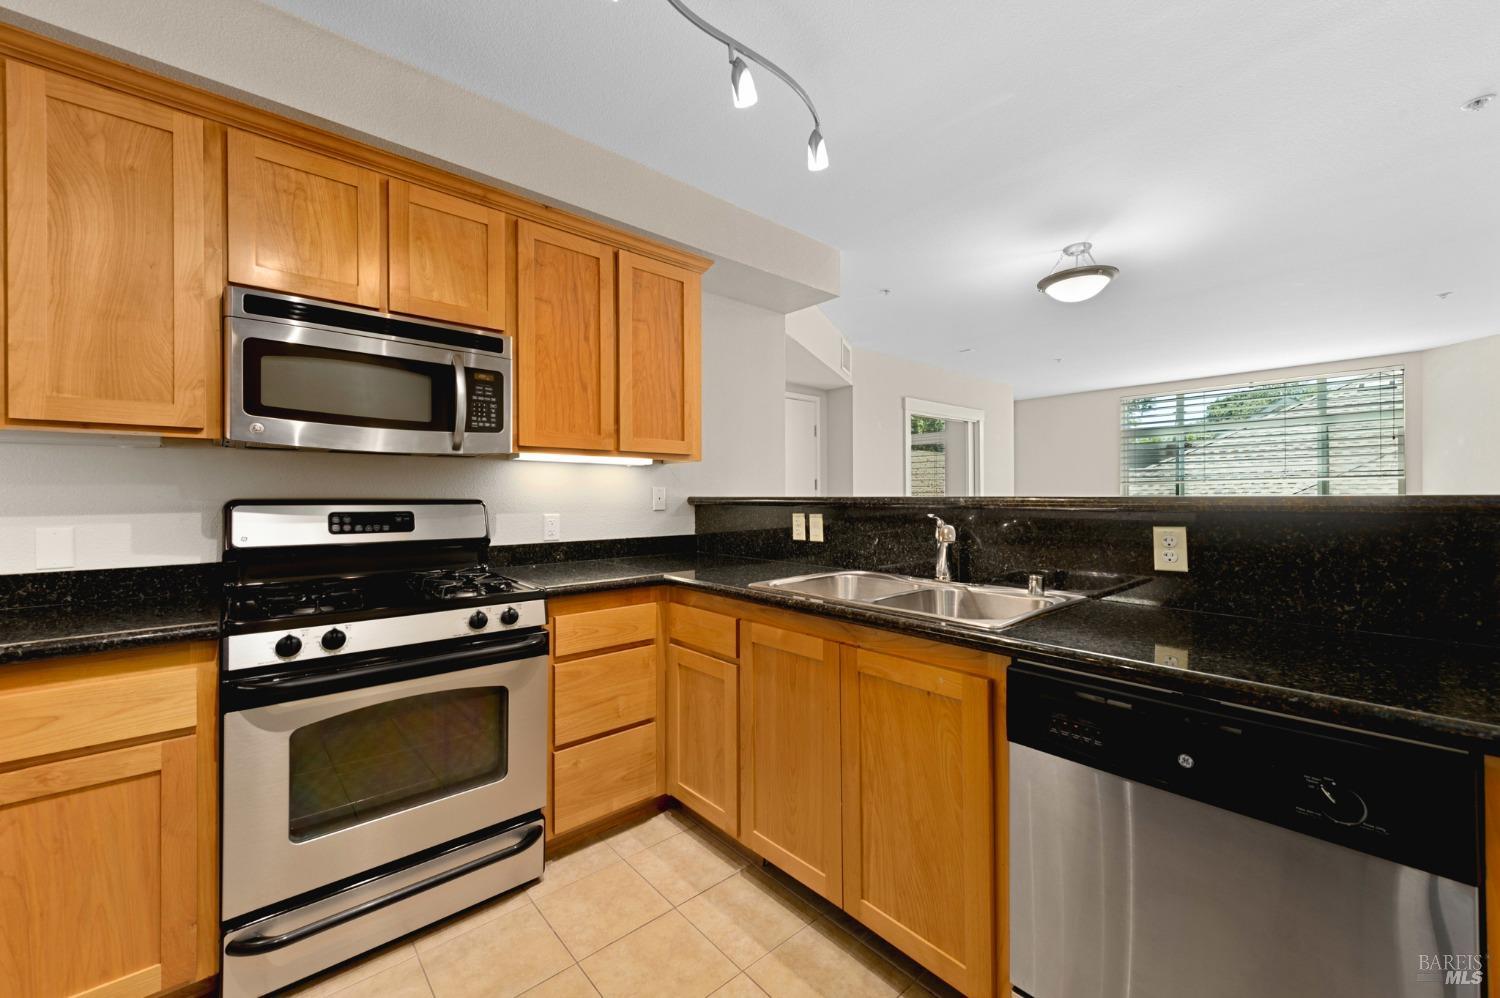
(1078, 282)
(742, 85)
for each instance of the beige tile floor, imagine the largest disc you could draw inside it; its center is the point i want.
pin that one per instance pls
(663, 907)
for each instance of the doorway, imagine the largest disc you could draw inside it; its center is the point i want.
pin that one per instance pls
(804, 464)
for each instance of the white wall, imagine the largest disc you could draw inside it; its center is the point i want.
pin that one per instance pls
(148, 505)
(882, 382)
(1461, 418)
(1069, 445)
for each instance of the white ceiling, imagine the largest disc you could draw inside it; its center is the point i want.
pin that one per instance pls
(1280, 181)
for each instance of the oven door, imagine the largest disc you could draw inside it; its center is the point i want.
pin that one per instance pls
(304, 386)
(330, 775)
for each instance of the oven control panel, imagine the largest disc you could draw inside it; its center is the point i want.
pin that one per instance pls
(324, 640)
(485, 391)
(383, 522)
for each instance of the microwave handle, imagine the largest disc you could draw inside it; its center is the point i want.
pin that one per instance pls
(460, 402)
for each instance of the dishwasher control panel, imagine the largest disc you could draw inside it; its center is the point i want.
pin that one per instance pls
(1413, 803)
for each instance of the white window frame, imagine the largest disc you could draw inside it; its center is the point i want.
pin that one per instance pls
(911, 406)
(816, 400)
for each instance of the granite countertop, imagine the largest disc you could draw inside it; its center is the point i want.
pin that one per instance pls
(1405, 686)
(85, 628)
(1432, 690)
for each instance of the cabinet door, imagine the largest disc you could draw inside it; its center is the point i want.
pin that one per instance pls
(661, 313)
(303, 223)
(108, 316)
(103, 845)
(918, 814)
(565, 340)
(447, 257)
(789, 744)
(702, 736)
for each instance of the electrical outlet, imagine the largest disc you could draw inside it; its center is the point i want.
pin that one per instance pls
(54, 547)
(551, 526)
(1174, 658)
(799, 526)
(658, 497)
(815, 527)
(1169, 549)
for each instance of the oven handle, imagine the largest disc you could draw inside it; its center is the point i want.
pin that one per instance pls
(263, 691)
(255, 945)
(461, 402)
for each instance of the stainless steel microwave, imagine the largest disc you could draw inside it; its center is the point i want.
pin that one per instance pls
(309, 374)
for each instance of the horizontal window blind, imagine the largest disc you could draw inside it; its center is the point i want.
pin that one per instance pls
(1335, 434)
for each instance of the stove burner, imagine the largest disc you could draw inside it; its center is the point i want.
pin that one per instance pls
(292, 599)
(461, 583)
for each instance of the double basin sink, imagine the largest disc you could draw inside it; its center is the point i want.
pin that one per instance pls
(986, 607)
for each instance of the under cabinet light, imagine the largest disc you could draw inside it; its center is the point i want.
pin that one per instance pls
(631, 462)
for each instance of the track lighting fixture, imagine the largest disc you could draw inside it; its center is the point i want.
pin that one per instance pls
(741, 83)
(742, 86)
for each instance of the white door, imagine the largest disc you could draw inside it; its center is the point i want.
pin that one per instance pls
(803, 475)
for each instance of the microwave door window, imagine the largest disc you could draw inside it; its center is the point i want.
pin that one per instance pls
(314, 384)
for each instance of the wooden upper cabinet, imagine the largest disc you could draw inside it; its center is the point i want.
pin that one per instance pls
(447, 257)
(565, 340)
(789, 754)
(919, 819)
(660, 357)
(110, 320)
(303, 223)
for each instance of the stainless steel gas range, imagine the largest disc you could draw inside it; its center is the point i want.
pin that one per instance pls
(384, 703)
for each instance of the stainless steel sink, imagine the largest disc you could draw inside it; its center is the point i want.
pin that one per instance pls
(988, 607)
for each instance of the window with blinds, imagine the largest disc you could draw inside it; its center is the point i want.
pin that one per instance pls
(1335, 434)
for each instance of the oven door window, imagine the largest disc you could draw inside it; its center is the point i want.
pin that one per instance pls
(319, 385)
(374, 761)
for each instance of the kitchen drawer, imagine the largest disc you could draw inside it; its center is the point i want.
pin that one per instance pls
(715, 633)
(71, 704)
(602, 693)
(592, 630)
(596, 779)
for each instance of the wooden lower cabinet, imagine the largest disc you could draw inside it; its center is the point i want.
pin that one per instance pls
(108, 823)
(918, 812)
(789, 747)
(111, 835)
(703, 735)
(598, 778)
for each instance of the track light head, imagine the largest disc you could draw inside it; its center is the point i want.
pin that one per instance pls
(741, 83)
(817, 151)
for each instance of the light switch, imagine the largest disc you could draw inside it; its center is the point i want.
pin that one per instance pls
(54, 547)
(815, 527)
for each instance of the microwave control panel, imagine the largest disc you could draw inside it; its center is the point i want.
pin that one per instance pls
(485, 392)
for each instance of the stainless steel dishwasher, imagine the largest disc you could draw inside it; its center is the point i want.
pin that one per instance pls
(1164, 846)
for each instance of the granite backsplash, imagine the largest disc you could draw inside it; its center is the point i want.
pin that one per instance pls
(1419, 566)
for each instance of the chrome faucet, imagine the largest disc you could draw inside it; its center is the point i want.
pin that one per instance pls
(1036, 585)
(945, 536)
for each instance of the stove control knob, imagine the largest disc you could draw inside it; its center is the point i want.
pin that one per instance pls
(334, 640)
(509, 616)
(288, 646)
(478, 619)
